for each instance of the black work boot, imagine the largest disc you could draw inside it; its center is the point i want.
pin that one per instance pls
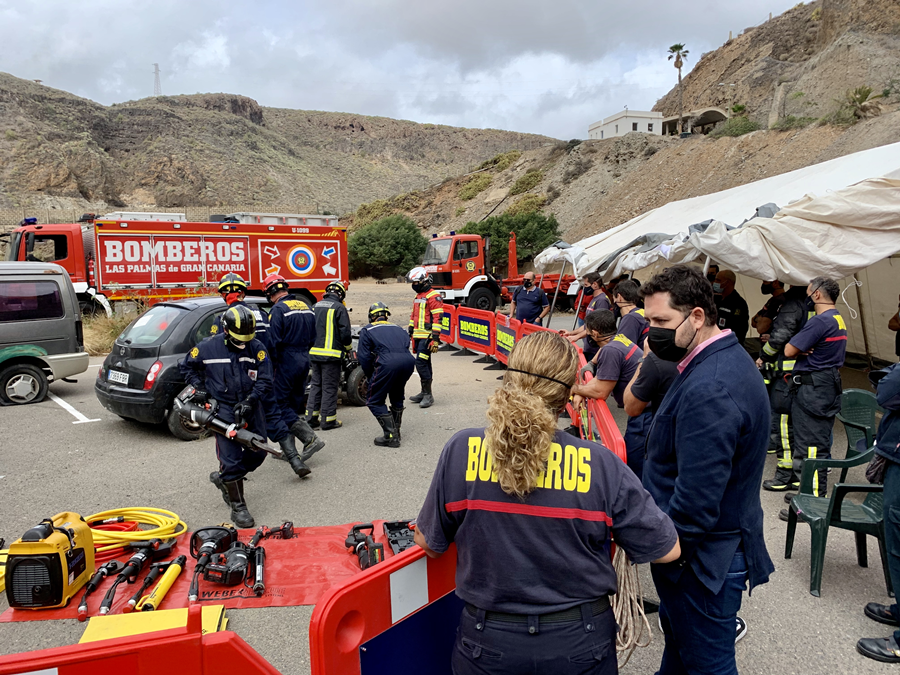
(311, 443)
(397, 414)
(427, 400)
(389, 439)
(216, 480)
(333, 424)
(240, 516)
(418, 397)
(289, 448)
(312, 419)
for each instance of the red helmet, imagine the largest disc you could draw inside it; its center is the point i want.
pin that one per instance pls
(275, 283)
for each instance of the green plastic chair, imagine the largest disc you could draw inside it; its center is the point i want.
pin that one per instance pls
(858, 415)
(821, 513)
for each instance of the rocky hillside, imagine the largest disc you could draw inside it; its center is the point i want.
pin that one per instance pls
(59, 150)
(798, 63)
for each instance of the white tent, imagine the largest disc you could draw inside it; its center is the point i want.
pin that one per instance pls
(851, 227)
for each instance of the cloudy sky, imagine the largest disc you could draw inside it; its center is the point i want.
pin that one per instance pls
(541, 66)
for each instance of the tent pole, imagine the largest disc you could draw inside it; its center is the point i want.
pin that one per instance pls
(862, 320)
(706, 266)
(562, 273)
(577, 305)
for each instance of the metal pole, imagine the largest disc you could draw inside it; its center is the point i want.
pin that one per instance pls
(862, 320)
(562, 273)
(577, 305)
(706, 266)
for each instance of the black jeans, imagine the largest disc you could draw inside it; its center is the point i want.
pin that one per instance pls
(583, 647)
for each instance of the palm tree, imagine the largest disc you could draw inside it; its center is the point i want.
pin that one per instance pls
(679, 53)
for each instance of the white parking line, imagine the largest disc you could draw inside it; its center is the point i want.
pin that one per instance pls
(80, 419)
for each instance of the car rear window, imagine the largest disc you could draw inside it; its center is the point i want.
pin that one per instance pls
(152, 326)
(30, 300)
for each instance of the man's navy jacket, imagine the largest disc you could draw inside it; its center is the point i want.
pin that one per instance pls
(706, 452)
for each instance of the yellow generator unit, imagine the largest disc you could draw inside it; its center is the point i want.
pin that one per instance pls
(51, 561)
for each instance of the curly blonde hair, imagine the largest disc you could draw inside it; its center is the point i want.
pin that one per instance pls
(523, 411)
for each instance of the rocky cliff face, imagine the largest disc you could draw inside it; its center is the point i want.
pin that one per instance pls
(57, 149)
(798, 63)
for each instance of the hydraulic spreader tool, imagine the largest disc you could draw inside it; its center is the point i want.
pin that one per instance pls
(204, 414)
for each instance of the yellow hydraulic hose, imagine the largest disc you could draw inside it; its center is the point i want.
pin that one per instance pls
(165, 525)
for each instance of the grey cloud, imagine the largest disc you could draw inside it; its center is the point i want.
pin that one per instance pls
(530, 65)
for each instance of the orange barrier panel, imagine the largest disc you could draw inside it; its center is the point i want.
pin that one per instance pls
(183, 650)
(448, 324)
(506, 333)
(475, 330)
(372, 603)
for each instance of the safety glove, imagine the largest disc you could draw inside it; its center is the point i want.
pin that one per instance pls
(410, 330)
(434, 344)
(243, 410)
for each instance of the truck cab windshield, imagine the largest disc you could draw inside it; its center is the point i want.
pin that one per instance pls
(438, 252)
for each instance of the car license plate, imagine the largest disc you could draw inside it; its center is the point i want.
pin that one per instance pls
(116, 376)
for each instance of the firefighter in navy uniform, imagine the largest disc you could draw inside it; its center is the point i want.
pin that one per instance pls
(235, 370)
(383, 353)
(233, 290)
(333, 339)
(533, 512)
(776, 370)
(816, 386)
(292, 333)
(425, 330)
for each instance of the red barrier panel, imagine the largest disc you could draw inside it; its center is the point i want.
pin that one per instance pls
(448, 324)
(475, 330)
(373, 602)
(506, 333)
(179, 650)
(529, 328)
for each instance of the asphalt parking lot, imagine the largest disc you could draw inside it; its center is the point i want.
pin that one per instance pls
(52, 461)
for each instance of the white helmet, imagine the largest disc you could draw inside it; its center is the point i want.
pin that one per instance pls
(420, 279)
(417, 274)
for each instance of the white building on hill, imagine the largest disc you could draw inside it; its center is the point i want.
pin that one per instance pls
(627, 121)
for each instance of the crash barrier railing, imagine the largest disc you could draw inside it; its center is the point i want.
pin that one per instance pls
(182, 650)
(398, 616)
(448, 324)
(475, 330)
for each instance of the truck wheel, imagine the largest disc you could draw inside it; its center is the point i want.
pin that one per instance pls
(357, 387)
(183, 429)
(22, 383)
(483, 299)
(90, 309)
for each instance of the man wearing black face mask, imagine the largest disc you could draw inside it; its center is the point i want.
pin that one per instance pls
(763, 319)
(731, 308)
(529, 303)
(706, 450)
(815, 385)
(776, 370)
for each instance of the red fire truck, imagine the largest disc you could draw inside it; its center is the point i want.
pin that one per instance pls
(155, 260)
(461, 267)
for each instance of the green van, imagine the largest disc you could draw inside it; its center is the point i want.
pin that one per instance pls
(41, 336)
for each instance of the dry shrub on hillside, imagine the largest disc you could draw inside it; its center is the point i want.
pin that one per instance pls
(476, 184)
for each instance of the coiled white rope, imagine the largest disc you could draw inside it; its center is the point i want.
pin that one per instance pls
(628, 609)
